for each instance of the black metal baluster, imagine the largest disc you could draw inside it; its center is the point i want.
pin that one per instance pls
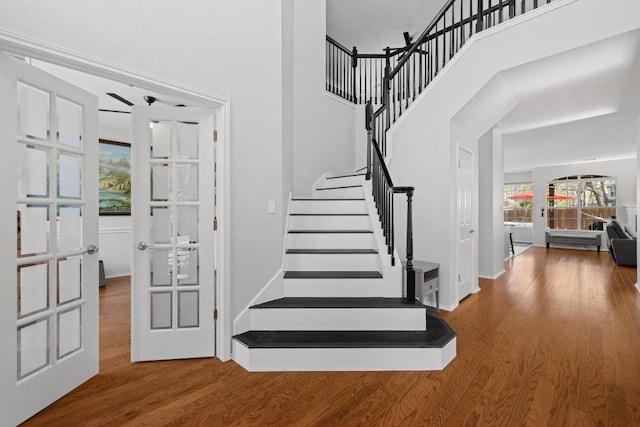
(354, 66)
(480, 24)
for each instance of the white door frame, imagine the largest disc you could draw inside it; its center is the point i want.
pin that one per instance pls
(19, 45)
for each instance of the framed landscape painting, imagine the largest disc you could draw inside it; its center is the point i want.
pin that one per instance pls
(114, 178)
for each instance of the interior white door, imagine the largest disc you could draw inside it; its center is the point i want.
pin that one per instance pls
(466, 231)
(173, 191)
(49, 229)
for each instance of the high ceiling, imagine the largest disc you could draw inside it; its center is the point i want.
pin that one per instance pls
(579, 106)
(372, 25)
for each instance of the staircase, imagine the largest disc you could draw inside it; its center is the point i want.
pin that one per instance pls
(342, 308)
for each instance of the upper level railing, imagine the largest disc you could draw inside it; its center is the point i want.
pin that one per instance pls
(394, 79)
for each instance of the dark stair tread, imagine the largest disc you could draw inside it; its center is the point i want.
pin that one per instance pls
(303, 274)
(327, 200)
(329, 214)
(329, 231)
(332, 251)
(340, 302)
(337, 188)
(347, 176)
(437, 335)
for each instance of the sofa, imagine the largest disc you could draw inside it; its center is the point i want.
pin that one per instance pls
(622, 244)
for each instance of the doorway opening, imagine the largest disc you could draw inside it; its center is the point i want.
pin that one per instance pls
(138, 89)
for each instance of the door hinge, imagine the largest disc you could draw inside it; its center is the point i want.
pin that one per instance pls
(215, 224)
(458, 278)
(215, 315)
(215, 136)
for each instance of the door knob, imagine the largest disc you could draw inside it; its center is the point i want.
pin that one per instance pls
(143, 245)
(471, 231)
(91, 249)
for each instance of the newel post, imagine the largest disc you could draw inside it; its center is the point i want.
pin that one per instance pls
(411, 274)
(368, 118)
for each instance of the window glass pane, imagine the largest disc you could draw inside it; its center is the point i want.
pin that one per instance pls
(69, 227)
(69, 279)
(33, 171)
(69, 123)
(580, 202)
(33, 112)
(33, 288)
(518, 202)
(33, 348)
(33, 229)
(69, 331)
(69, 176)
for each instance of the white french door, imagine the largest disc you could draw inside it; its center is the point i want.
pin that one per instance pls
(466, 231)
(173, 212)
(48, 229)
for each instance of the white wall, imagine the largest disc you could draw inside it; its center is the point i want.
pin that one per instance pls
(624, 170)
(229, 48)
(421, 139)
(323, 131)
(518, 177)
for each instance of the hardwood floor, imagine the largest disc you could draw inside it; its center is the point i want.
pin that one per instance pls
(554, 341)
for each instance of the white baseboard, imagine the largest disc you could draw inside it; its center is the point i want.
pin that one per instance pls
(637, 285)
(494, 277)
(274, 289)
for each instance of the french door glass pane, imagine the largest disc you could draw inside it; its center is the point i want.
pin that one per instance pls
(69, 227)
(187, 223)
(161, 267)
(33, 112)
(33, 347)
(69, 123)
(188, 309)
(187, 266)
(69, 279)
(33, 171)
(160, 182)
(161, 224)
(185, 185)
(33, 229)
(187, 141)
(69, 176)
(161, 311)
(33, 288)
(160, 140)
(69, 331)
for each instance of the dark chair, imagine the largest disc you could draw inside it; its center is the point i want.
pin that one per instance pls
(622, 244)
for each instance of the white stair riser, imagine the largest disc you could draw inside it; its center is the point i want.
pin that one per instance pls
(330, 241)
(314, 222)
(338, 319)
(342, 181)
(344, 359)
(339, 193)
(332, 262)
(329, 206)
(339, 288)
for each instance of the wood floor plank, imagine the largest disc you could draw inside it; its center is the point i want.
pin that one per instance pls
(553, 341)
